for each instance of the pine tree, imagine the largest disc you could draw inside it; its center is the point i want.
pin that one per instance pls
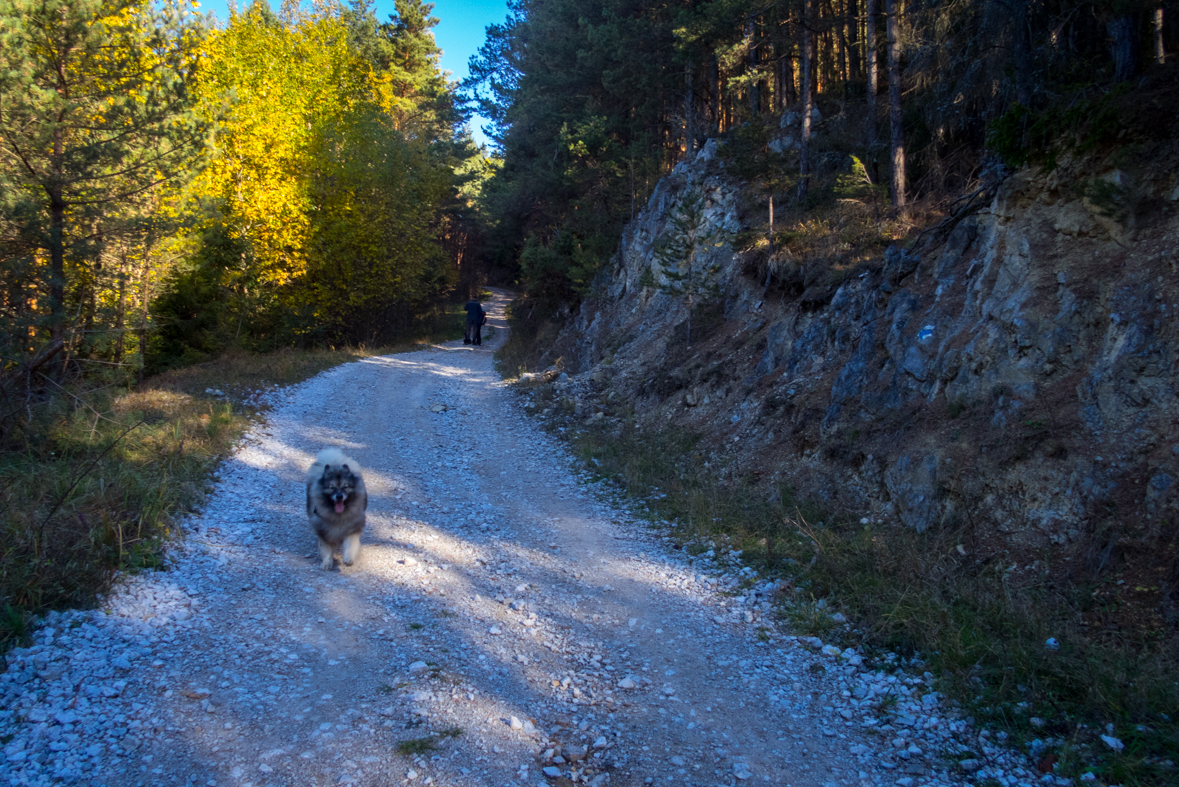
(94, 97)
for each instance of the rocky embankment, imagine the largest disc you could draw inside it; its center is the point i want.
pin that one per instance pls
(1013, 371)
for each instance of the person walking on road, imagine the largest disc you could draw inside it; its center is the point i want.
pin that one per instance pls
(476, 317)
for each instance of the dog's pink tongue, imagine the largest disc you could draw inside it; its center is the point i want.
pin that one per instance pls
(339, 506)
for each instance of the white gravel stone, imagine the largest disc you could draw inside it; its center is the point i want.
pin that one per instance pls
(1113, 743)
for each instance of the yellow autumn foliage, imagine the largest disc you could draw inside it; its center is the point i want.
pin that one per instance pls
(274, 88)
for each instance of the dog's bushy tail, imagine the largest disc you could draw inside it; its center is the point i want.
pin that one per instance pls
(331, 456)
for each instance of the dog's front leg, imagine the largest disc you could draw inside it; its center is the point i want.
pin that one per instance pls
(351, 549)
(325, 555)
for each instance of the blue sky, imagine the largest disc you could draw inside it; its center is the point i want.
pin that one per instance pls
(460, 32)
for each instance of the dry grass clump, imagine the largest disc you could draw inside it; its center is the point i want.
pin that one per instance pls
(94, 486)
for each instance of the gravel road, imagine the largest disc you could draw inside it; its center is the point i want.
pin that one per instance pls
(506, 624)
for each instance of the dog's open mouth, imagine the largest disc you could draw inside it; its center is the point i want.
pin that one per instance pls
(339, 506)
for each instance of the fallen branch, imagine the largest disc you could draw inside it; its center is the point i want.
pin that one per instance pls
(532, 379)
(987, 191)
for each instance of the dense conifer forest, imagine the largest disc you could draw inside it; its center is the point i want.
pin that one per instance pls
(592, 101)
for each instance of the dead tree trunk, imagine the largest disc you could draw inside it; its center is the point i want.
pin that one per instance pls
(771, 223)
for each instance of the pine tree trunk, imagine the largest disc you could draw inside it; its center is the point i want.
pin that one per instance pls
(632, 189)
(853, 40)
(714, 80)
(788, 71)
(1022, 53)
(1124, 32)
(779, 81)
(143, 300)
(804, 143)
(91, 309)
(873, 75)
(689, 107)
(57, 207)
(840, 37)
(1160, 56)
(754, 91)
(121, 312)
(56, 263)
(895, 117)
(823, 55)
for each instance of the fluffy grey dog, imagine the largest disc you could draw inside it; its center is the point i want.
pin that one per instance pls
(336, 502)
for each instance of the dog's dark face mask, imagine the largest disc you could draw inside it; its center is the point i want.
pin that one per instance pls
(338, 484)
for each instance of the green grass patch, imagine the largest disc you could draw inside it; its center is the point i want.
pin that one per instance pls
(14, 627)
(919, 595)
(809, 618)
(416, 746)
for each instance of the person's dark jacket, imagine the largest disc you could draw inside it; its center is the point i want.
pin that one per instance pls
(475, 313)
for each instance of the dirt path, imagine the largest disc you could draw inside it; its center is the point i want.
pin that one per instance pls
(502, 620)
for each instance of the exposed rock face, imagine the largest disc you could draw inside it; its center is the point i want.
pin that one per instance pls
(1016, 374)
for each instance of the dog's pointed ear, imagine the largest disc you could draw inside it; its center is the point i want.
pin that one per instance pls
(326, 468)
(345, 468)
